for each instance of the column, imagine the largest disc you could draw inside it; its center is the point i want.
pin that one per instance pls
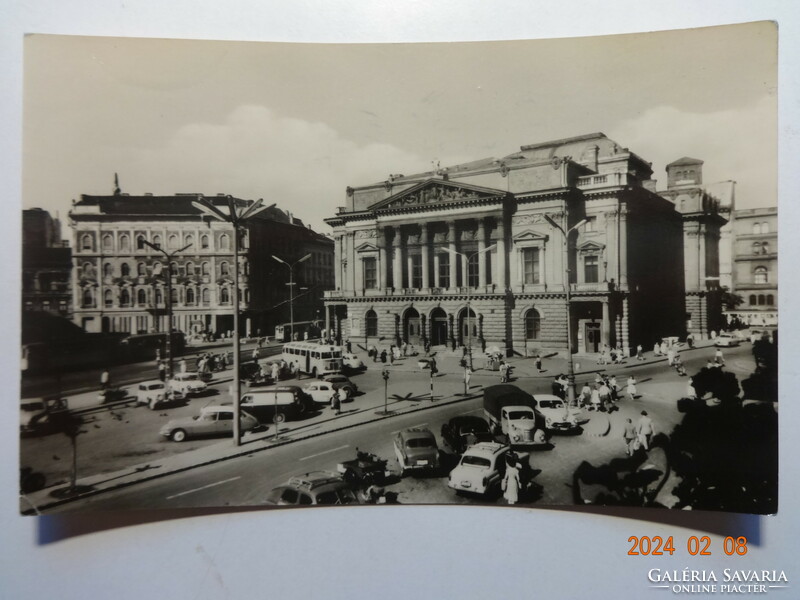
(454, 258)
(436, 281)
(383, 267)
(328, 320)
(604, 327)
(623, 246)
(423, 240)
(502, 257)
(351, 260)
(397, 271)
(409, 269)
(482, 257)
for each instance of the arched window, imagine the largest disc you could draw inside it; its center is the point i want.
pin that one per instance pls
(223, 268)
(141, 270)
(174, 296)
(88, 297)
(189, 295)
(756, 228)
(752, 299)
(533, 324)
(140, 242)
(88, 270)
(206, 296)
(108, 270)
(141, 297)
(756, 247)
(224, 242)
(188, 240)
(761, 300)
(764, 227)
(159, 297)
(371, 321)
(172, 241)
(224, 296)
(157, 241)
(86, 243)
(760, 275)
(770, 300)
(174, 269)
(124, 297)
(204, 268)
(189, 269)
(124, 243)
(108, 243)
(204, 242)
(108, 299)
(125, 269)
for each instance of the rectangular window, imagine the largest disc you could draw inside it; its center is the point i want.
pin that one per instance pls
(472, 270)
(530, 262)
(444, 270)
(591, 224)
(416, 271)
(590, 271)
(370, 273)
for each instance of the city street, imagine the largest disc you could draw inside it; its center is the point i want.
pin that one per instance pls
(128, 438)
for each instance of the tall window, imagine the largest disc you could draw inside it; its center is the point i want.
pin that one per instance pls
(108, 243)
(770, 300)
(174, 270)
(590, 270)
(188, 240)
(370, 273)
(172, 242)
(87, 297)
(125, 269)
(141, 297)
(760, 275)
(159, 297)
(124, 243)
(86, 243)
(756, 228)
(533, 325)
(174, 296)
(204, 242)
(189, 269)
(157, 241)
(141, 270)
(108, 270)
(224, 269)
(88, 270)
(124, 297)
(444, 270)
(416, 271)
(206, 296)
(140, 242)
(224, 296)
(472, 270)
(762, 300)
(765, 227)
(371, 322)
(224, 242)
(530, 265)
(204, 268)
(752, 299)
(190, 296)
(108, 299)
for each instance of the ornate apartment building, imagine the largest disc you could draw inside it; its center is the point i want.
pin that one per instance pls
(119, 283)
(46, 265)
(412, 253)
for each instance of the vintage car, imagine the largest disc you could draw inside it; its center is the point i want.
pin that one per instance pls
(726, 340)
(155, 393)
(481, 468)
(416, 450)
(320, 391)
(352, 362)
(341, 381)
(365, 469)
(463, 431)
(314, 488)
(35, 415)
(557, 417)
(212, 421)
(188, 384)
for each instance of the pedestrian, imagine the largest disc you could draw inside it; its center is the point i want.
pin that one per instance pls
(630, 388)
(713, 334)
(663, 349)
(644, 430)
(670, 357)
(629, 436)
(162, 371)
(613, 355)
(601, 358)
(595, 398)
(612, 385)
(276, 372)
(223, 361)
(434, 368)
(718, 357)
(158, 355)
(405, 349)
(556, 387)
(586, 394)
(467, 376)
(182, 365)
(391, 355)
(690, 340)
(348, 345)
(105, 380)
(503, 372)
(255, 355)
(383, 356)
(656, 349)
(336, 404)
(639, 352)
(690, 391)
(344, 394)
(511, 483)
(605, 396)
(539, 363)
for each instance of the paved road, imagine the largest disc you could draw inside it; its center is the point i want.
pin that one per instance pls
(246, 480)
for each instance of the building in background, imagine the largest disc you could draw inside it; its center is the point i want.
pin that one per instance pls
(755, 262)
(399, 277)
(119, 282)
(46, 265)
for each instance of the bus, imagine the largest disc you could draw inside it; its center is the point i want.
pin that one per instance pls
(300, 329)
(313, 358)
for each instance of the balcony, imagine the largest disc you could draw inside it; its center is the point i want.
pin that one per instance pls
(405, 292)
(597, 181)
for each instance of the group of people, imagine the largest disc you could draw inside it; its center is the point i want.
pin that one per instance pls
(613, 355)
(605, 392)
(394, 353)
(210, 363)
(638, 435)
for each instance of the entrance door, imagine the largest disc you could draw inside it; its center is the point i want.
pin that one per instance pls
(592, 337)
(412, 329)
(438, 327)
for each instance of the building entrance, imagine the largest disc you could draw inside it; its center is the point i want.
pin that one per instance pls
(411, 327)
(438, 327)
(591, 336)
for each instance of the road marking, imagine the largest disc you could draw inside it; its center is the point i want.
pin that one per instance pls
(412, 427)
(470, 412)
(326, 452)
(210, 485)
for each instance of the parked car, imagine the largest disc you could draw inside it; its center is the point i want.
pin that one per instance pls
(416, 450)
(188, 384)
(365, 469)
(341, 381)
(154, 393)
(320, 391)
(315, 488)
(212, 421)
(35, 415)
(277, 403)
(481, 468)
(352, 362)
(726, 339)
(557, 417)
(463, 431)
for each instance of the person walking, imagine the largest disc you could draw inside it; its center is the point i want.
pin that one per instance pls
(391, 355)
(162, 371)
(511, 483)
(630, 388)
(348, 345)
(690, 391)
(383, 356)
(670, 356)
(718, 357)
(503, 372)
(105, 380)
(467, 376)
(612, 385)
(605, 396)
(276, 372)
(182, 365)
(586, 394)
(539, 363)
(595, 398)
(639, 352)
(644, 430)
(629, 436)
(656, 349)
(690, 340)
(255, 355)
(336, 403)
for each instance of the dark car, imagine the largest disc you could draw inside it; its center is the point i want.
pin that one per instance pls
(416, 451)
(461, 432)
(315, 488)
(340, 381)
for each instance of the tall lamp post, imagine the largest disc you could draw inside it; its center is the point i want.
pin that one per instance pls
(291, 284)
(237, 216)
(169, 256)
(570, 364)
(467, 258)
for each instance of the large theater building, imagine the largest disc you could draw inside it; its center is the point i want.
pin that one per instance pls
(480, 246)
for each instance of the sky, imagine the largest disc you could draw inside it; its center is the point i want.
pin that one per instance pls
(296, 124)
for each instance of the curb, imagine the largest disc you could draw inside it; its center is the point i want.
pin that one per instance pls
(37, 510)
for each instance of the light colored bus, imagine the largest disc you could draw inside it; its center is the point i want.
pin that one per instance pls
(313, 358)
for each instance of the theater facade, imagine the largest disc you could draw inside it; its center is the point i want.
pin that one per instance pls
(476, 254)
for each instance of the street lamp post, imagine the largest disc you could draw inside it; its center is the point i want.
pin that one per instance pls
(570, 364)
(237, 216)
(385, 375)
(169, 256)
(291, 284)
(468, 257)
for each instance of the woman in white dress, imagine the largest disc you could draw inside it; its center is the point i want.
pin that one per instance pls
(631, 388)
(511, 484)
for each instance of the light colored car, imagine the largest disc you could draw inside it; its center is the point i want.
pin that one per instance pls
(189, 384)
(416, 450)
(316, 488)
(557, 417)
(320, 391)
(154, 393)
(726, 339)
(351, 361)
(341, 381)
(212, 421)
(480, 469)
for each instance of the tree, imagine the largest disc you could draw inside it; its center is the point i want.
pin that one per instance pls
(730, 300)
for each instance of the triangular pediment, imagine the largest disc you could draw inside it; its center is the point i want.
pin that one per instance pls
(530, 236)
(589, 247)
(437, 191)
(367, 247)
